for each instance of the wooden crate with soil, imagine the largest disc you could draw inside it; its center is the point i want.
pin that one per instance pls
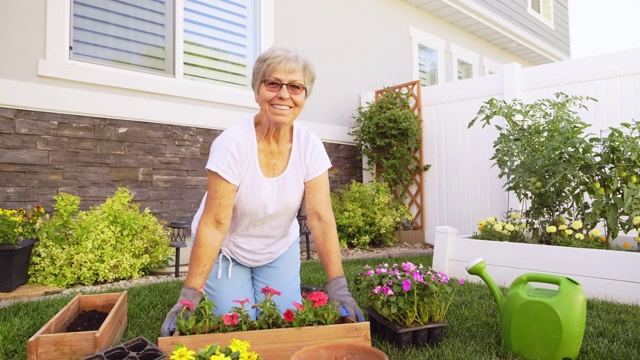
(87, 325)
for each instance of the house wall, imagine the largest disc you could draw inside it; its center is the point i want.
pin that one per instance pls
(516, 12)
(462, 187)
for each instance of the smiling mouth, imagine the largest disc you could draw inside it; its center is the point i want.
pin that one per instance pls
(281, 107)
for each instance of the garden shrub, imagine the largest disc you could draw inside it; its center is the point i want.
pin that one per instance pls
(367, 214)
(111, 242)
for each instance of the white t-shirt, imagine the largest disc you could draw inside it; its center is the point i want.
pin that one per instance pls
(263, 222)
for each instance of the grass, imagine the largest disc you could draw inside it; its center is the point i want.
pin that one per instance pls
(473, 331)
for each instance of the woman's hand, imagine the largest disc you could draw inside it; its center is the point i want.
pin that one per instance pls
(339, 293)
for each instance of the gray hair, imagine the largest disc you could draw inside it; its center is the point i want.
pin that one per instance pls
(283, 57)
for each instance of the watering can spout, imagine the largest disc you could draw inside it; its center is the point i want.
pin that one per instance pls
(479, 268)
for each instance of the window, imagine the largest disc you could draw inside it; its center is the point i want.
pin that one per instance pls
(427, 65)
(465, 70)
(428, 57)
(465, 63)
(543, 10)
(219, 37)
(132, 36)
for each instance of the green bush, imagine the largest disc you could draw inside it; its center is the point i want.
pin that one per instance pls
(367, 214)
(110, 242)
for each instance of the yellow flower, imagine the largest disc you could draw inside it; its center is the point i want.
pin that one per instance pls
(510, 227)
(515, 216)
(626, 245)
(249, 356)
(579, 236)
(551, 229)
(492, 219)
(576, 225)
(497, 227)
(182, 353)
(569, 231)
(481, 222)
(637, 238)
(636, 220)
(219, 357)
(239, 345)
(562, 227)
(595, 232)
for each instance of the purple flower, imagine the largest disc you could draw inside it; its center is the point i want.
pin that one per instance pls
(406, 285)
(408, 266)
(376, 290)
(461, 281)
(417, 276)
(387, 291)
(370, 273)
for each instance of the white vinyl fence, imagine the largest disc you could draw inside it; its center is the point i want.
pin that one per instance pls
(461, 187)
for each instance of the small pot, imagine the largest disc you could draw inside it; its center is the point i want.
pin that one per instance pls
(339, 351)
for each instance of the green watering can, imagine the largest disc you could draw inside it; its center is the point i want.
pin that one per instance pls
(539, 323)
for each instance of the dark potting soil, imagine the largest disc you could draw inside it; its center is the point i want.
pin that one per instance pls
(87, 320)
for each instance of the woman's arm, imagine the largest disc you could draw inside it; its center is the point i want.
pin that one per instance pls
(322, 224)
(213, 227)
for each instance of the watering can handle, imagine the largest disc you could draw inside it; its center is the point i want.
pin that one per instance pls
(537, 277)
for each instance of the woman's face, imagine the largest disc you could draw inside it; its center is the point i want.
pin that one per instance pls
(281, 107)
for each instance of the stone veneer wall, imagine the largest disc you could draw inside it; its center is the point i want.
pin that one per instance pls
(43, 154)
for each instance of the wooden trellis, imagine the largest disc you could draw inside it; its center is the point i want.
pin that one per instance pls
(415, 192)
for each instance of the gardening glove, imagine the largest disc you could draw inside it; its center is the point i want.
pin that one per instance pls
(187, 294)
(338, 292)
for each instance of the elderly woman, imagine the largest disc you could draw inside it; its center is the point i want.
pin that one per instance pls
(259, 173)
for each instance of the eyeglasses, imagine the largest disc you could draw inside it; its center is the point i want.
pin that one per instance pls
(275, 86)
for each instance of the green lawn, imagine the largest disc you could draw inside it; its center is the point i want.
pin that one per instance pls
(612, 330)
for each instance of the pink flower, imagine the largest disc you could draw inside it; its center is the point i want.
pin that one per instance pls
(188, 304)
(269, 291)
(298, 305)
(408, 266)
(319, 298)
(370, 273)
(242, 302)
(406, 285)
(230, 319)
(461, 281)
(387, 291)
(376, 290)
(289, 315)
(417, 276)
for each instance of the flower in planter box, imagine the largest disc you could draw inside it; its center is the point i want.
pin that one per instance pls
(512, 229)
(314, 310)
(19, 224)
(407, 294)
(236, 350)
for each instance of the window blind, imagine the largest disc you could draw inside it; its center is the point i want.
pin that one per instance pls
(125, 33)
(220, 38)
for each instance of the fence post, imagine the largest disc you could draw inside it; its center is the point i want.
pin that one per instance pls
(445, 236)
(511, 81)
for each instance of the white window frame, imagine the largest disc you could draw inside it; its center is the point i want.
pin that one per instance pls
(539, 16)
(57, 64)
(420, 37)
(460, 53)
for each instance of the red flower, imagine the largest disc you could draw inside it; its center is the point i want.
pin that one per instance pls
(230, 319)
(319, 298)
(298, 306)
(288, 315)
(269, 291)
(188, 304)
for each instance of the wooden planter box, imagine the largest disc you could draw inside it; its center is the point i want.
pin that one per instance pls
(276, 344)
(603, 274)
(51, 342)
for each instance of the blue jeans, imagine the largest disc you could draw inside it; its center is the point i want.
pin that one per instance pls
(282, 274)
